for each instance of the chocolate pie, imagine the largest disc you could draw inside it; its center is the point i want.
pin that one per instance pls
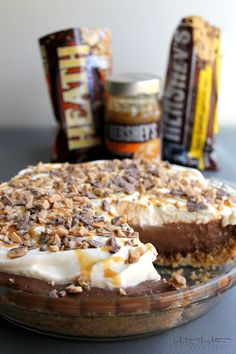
(91, 229)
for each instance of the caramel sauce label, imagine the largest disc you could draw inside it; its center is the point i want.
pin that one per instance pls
(75, 95)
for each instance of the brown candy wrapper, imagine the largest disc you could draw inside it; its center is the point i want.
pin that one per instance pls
(190, 100)
(77, 63)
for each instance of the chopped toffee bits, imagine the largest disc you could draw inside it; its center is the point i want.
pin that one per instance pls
(106, 206)
(43, 248)
(6, 200)
(220, 194)
(53, 294)
(74, 289)
(122, 292)
(11, 280)
(86, 219)
(178, 192)
(83, 281)
(53, 248)
(113, 243)
(16, 238)
(194, 206)
(45, 204)
(62, 293)
(17, 252)
(178, 280)
(131, 242)
(134, 255)
(118, 220)
(95, 243)
(51, 283)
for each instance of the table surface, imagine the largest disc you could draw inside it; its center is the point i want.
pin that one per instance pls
(24, 146)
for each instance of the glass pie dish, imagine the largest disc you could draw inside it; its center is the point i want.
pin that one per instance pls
(121, 317)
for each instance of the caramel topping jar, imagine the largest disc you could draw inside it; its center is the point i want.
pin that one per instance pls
(133, 112)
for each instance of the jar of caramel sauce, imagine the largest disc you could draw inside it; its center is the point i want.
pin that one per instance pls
(133, 116)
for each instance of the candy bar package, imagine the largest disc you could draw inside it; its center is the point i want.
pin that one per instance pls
(77, 63)
(190, 98)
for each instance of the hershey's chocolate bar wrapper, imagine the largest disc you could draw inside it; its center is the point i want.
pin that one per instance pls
(77, 62)
(190, 99)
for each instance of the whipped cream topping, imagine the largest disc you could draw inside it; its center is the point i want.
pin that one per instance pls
(148, 211)
(103, 269)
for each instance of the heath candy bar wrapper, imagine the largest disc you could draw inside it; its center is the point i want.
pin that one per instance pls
(77, 63)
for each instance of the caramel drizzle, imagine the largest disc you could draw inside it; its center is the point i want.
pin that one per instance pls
(87, 262)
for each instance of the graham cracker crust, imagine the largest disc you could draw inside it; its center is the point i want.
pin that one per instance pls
(220, 256)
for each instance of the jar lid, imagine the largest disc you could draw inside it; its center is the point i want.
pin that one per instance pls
(133, 84)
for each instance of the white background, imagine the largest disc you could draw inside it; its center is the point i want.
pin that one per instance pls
(142, 31)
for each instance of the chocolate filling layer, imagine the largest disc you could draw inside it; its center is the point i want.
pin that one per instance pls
(185, 237)
(36, 286)
(93, 301)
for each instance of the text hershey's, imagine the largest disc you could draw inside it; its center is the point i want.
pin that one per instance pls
(176, 90)
(133, 133)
